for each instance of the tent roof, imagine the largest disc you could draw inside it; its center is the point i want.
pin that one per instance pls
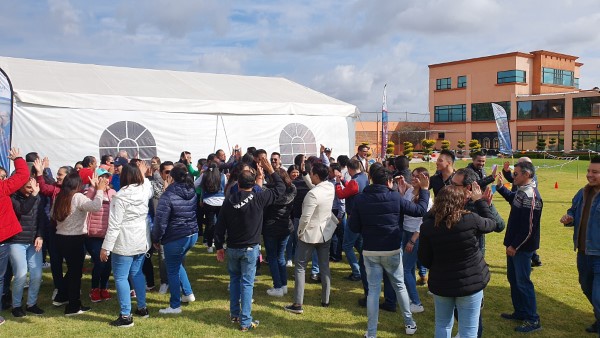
(86, 86)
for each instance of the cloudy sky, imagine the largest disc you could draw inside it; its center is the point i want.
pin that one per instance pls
(346, 49)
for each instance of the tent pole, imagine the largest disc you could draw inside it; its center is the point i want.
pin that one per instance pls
(225, 131)
(216, 131)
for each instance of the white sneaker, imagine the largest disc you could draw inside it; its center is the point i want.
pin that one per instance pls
(46, 265)
(411, 329)
(188, 299)
(275, 292)
(210, 249)
(457, 335)
(289, 264)
(367, 335)
(284, 288)
(163, 289)
(414, 308)
(430, 293)
(170, 311)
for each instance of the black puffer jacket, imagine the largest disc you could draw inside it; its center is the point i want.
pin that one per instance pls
(175, 214)
(276, 220)
(301, 191)
(456, 263)
(26, 209)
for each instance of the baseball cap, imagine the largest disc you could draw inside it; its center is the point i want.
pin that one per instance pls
(120, 161)
(101, 171)
(327, 150)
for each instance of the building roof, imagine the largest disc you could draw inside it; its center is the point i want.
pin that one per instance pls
(87, 86)
(504, 55)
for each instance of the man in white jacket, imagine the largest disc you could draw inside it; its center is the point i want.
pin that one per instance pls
(316, 214)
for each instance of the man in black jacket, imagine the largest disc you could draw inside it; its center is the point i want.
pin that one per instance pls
(477, 166)
(241, 217)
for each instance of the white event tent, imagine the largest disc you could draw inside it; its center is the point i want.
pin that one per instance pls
(66, 111)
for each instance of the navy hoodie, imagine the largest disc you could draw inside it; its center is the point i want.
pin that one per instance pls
(175, 214)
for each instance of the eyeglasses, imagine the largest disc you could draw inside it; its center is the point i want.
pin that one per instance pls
(274, 160)
(456, 184)
(167, 172)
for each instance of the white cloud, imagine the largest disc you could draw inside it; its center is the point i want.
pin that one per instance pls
(220, 62)
(67, 17)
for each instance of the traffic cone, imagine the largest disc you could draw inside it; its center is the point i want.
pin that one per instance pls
(556, 185)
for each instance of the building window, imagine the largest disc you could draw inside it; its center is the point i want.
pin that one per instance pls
(511, 76)
(527, 140)
(441, 84)
(558, 77)
(586, 106)
(576, 83)
(485, 139)
(586, 140)
(441, 136)
(485, 112)
(541, 109)
(462, 82)
(454, 113)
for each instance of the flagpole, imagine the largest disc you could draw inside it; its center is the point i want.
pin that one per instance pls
(384, 123)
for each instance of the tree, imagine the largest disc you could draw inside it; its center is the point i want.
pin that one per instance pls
(552, 143)
(586, 143)
(427, 148)
(541, 144)
(475, 146)
(461, 144)
(412, 134)
(579, 144)
(408, 149)
(445, 145)
(389, 150)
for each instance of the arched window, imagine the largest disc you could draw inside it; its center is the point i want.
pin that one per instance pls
(486, 143)
(296, 138)
(130, 136)
(495, 143)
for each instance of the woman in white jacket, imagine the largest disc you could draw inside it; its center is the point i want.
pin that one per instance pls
(128, 238)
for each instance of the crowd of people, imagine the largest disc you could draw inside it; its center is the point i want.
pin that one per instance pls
(122, 211)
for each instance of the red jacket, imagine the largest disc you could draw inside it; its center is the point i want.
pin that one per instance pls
(9, 224)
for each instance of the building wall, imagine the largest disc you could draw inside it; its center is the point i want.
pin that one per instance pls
(483, 87)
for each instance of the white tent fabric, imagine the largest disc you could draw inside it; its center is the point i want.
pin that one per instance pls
(67, 111)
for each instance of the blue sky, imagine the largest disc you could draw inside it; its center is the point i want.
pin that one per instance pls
(346, 49)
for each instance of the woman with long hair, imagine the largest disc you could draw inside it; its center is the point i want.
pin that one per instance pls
(175, 227)
(70, 211)
(449, 247)
(213, 194)
(277, 227)
(128, 238)
(410, 238)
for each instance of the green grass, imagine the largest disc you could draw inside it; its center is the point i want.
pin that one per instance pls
(563, 308)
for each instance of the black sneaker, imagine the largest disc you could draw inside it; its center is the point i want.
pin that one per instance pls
(234, 319)
(143, 312)
(293, 308)
(324, 304)
(535, 264)
(388, 308)
(511, 316)
(82, 309)
(122, 321)
(315, 278)
(18, 312)
(353, 278)
(362, 302)
(529, 326)
(35, 310)
(592, 328)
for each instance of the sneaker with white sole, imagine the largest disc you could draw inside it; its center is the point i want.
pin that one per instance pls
(210, 249)
(410, 329)
(289, 264)
(275, 292)
(414, 308)
(285, 289)
(188, 299)
(46, 265)
(163, 288)
(170, 311)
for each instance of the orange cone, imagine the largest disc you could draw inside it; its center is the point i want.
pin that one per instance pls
(556, 185)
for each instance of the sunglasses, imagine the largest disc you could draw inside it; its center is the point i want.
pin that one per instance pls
(167, 172)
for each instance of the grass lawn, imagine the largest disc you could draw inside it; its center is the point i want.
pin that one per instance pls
(563, 308)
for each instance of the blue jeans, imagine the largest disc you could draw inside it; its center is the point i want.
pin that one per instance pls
(409, 261)
(23, 258)
(290, 250)
(241, 264)
(375, 267)
(4, 257)
(275, 248)
(211, 213)
(522, 292)
(175, 252)
(101, 270)
(589, 279)
(352, 240)
(468, 307)
(125, 268)
(338, 239)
